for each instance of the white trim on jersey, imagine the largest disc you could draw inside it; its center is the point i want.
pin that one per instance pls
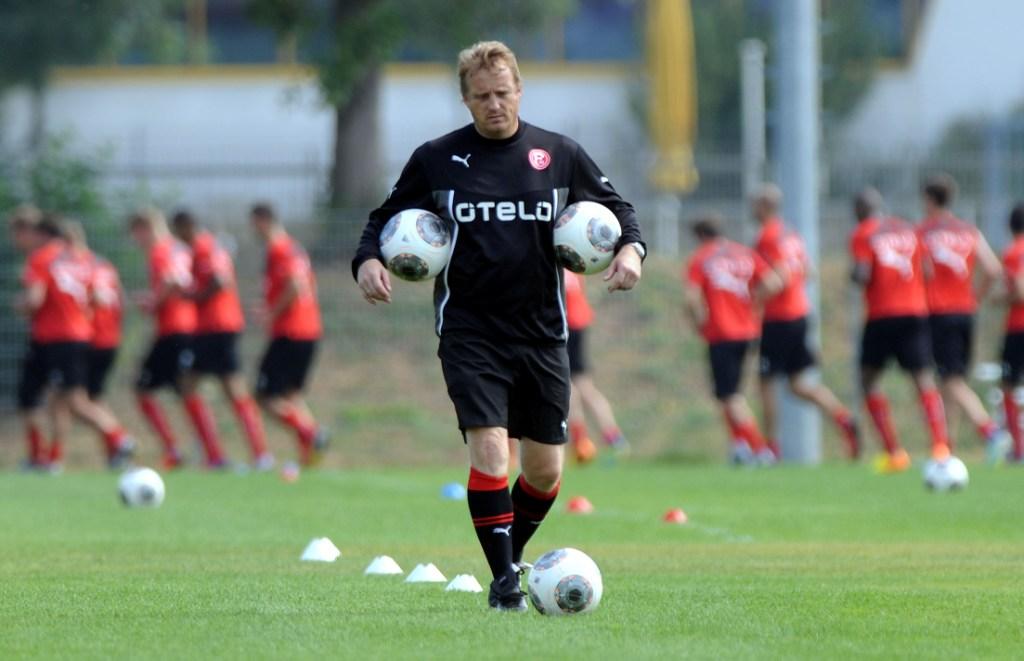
(451, 252)
(558, 273)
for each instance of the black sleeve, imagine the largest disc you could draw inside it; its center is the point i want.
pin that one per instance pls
(412, 191)
(588, 183)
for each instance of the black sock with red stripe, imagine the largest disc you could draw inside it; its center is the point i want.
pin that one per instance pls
(490, 505)
(530, 505)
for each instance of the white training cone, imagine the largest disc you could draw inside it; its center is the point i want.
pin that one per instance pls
(321, 549)
(383, 565)
(464, 583)
(427, 573)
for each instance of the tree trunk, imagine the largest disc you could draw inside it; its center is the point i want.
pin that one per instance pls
(355, 178)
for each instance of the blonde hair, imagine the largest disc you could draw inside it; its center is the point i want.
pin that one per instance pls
(25, 216)
(73, 232)
(486, 55)
(149, 217)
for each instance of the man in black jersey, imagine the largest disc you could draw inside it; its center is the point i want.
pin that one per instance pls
(500, 315)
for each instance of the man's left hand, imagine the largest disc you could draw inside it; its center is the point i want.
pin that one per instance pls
(625, 270)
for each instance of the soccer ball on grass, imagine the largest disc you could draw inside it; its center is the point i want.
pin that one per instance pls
(141, 487)
(949, 474)
(585, 237)
(415, 244)
(565, 582)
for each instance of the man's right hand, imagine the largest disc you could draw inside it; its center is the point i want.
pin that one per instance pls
(374, 281)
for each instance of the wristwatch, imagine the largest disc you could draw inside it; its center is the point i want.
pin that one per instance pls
(639, 247)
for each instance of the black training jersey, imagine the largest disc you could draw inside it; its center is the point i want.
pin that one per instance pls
(501, 198)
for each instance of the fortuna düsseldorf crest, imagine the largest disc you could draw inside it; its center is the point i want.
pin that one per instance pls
(539, 159)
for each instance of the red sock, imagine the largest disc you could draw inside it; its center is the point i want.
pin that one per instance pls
(987, 430)
(529, 507)
(773, 445)
(202, 419)
(878, 407)
(935, 416)
(56, 453)
(844, 421)
(34, 439)
(1013, 423)
(612, 435)
(577, 431)
(154, 413)
(113, 439)
(747, 431)
(490, 507)
(304, 429)
(249, 416)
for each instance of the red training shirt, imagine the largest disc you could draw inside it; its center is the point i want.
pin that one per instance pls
(1013, 263)
(950, 246)
(169, 262)
(578, 312)
(726, 272)
(783, 248)
(287, 260)
(107, 304)
(890, 249)
(221, 312)
(66, 275)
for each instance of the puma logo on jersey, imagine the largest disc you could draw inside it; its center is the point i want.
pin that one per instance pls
(461, 159)
(506, 531)
(467, 212)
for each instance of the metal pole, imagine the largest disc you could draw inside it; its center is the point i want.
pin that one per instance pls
(797, 133)
(752, 99)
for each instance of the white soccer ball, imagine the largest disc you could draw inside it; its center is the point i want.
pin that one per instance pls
(141, 487)
(585, 237)
(565, 582)
(415, 244)
(947, 475)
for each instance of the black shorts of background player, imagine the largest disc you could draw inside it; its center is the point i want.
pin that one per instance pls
(490, 309)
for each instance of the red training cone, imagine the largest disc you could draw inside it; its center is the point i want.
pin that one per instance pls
(579, 505)
(675, 515)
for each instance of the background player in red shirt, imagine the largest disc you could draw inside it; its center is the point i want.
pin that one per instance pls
(953, 248)
(585, 397)
(106, 304)
(887, 262)
(1013, 342)
(57, 282)
(293, 322)
(724, 281)
(219, 325)
(784, 347)
(170, 276)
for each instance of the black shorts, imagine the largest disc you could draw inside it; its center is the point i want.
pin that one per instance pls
(99, 362)
(952, 338)
(523, 388)
(284, 367)
(215, 353)
(1013, 358)
(906, 338)
(577, 349)
(169, 356)
(727, 366)
(62, 365)
(784, 348)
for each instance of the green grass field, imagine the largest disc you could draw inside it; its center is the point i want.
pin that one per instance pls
(813, 563)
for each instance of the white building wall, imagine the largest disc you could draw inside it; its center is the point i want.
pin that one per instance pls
(967, 62)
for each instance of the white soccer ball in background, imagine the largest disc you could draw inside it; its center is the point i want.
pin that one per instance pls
(947, 475)
(565, 582)
(415, 244)
(585, 237)
(141, 487)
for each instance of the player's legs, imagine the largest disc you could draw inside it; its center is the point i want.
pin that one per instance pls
(820, 395)
(199, 414)
(1013, 372)
(60, 418)
(490, 503)
(279, 390)
(726, 359)
(583, 446)
(116, 441)
(535, 491)
(159, 369)
(32, 386)
(769, 406)
(877, 347)
(598, 406)
(914, 353)
(247, 412)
